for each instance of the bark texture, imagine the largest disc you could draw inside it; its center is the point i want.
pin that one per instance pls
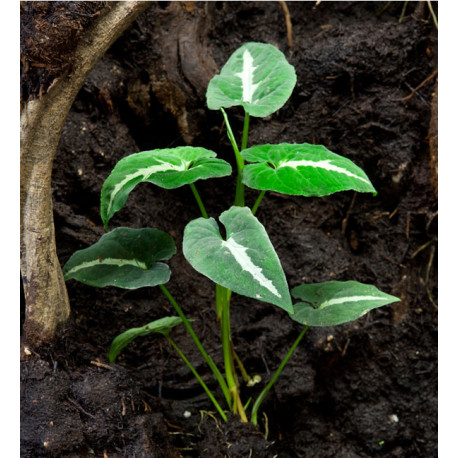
(42, 119)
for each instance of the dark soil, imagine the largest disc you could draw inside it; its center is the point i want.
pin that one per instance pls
(49, 34)
(365, 389)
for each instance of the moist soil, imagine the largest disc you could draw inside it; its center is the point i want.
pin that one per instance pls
(363, 389)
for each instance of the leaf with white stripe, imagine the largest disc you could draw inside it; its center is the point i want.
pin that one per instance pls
(168, 168)
(335, 302)
(245, 262)
(161, 326)
(257, 76)
(126, 258)
(301, 169)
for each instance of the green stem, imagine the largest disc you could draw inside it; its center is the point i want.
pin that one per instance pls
(221, 296)
(193, 370)
(263, 394)
(230, 134)
(237, 406)
(239, 192)
(246, 126)
(403, 12)
(382, 10)
(240, 188)
(258, 201)
(199, 200)
(208, 359)
(226, 341)
(245, 376)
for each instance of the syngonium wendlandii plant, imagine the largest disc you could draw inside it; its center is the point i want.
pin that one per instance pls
(258, 78)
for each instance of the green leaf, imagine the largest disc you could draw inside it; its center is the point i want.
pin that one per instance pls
(161, 326)
(257, 76)
(246, 262)
(334, 302)
(168, 168)
(302, 169)
(126, 258)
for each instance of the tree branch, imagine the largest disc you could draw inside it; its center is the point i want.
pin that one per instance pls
(42, 120)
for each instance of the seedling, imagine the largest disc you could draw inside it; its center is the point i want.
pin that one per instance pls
(258, 78)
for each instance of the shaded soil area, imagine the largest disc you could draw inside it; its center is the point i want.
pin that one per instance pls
(364, 389)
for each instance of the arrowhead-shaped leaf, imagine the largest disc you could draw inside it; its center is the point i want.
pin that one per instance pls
(246, 262)
(334, 302)
(161, 326)
(257, 76)
(168, 168)
(302, 169)
(126, 258)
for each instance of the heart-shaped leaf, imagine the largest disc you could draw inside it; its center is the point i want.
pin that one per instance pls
(126, 258)
(168, 168)
(334, 302)
(246, 262)
(257, 76)
(302, 169)
(161, 326)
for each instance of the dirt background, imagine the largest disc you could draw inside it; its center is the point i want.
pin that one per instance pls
(365, 389)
